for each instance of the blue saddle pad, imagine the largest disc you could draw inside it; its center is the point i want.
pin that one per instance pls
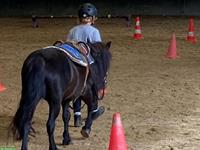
(73, 51)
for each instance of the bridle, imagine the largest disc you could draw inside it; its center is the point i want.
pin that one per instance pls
(100, 95)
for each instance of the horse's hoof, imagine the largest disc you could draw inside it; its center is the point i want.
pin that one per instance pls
(67, 142)
(85, 132)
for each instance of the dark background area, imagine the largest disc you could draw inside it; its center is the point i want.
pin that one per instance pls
(115, 7)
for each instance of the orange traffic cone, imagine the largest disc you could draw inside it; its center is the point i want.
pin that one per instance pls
(138, 33)
(2, 87)
(117, 137)
(171, 53)
(191, 37)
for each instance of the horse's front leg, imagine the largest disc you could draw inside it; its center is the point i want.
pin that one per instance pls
(66, 118)
(88, 123)
(53, 114)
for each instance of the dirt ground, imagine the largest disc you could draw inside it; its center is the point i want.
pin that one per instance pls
(158, 98)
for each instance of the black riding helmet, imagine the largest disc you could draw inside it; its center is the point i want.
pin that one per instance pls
(87, 10)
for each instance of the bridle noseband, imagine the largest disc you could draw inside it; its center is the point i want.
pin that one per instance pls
(100, 95)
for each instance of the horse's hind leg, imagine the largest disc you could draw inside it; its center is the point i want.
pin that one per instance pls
(66, 118)
(54, 109)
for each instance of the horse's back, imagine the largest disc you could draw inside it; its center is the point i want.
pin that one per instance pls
(48, 54)
(48, 59)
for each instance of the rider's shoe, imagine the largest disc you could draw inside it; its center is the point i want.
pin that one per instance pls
(96, 114)
(77, 121)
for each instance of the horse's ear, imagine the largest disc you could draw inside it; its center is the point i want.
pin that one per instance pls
(108, 45)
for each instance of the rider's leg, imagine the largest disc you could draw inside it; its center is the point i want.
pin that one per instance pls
(77, 113)
(97, 111)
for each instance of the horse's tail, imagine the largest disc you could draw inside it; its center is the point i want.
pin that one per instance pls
(32, 90)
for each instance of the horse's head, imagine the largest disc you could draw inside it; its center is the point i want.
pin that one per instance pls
(99, 69)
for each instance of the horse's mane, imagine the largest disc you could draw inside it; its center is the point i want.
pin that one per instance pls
(102, 49)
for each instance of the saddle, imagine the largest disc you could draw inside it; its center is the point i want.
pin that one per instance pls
(79, 52)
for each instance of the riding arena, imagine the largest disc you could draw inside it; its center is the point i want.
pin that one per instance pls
(153, 82)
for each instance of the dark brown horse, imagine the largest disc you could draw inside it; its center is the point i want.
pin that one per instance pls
(49, 74)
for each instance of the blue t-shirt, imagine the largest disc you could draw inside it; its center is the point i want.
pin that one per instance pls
(84, 33)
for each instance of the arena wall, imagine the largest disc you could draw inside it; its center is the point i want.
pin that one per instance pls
(115, 7)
